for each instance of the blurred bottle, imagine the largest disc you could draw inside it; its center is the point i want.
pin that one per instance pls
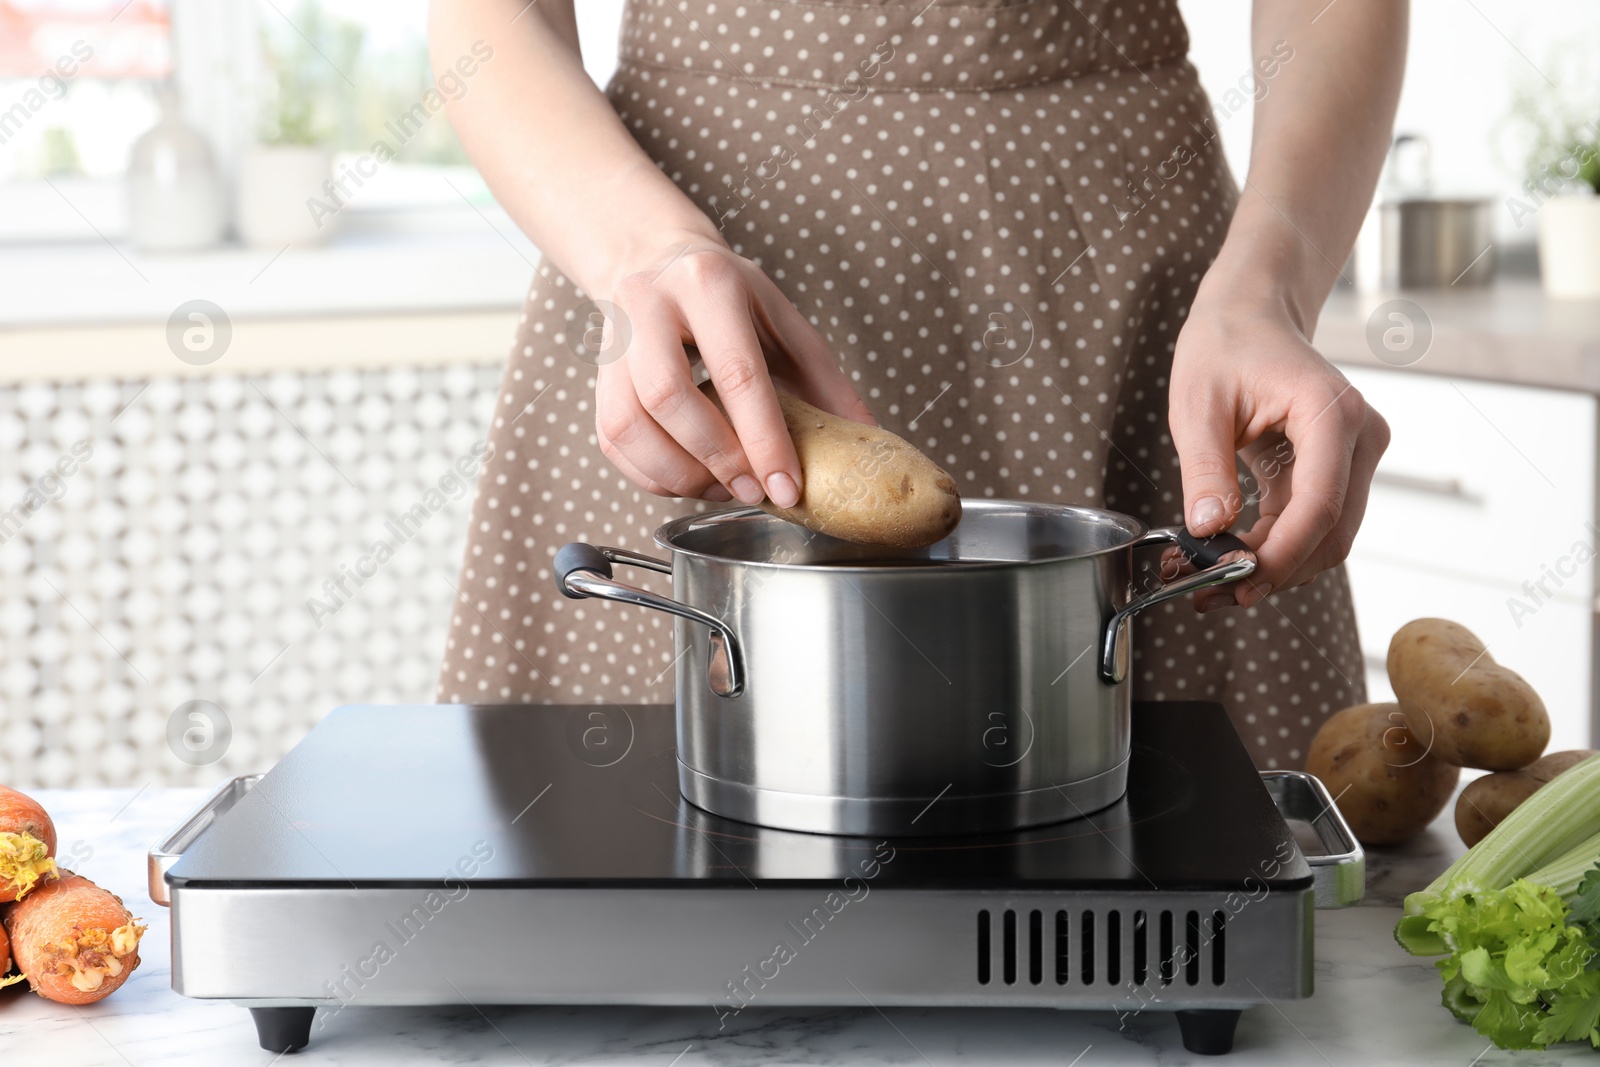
(174, 192)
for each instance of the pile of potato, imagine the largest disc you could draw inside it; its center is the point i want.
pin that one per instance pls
(1393, 767)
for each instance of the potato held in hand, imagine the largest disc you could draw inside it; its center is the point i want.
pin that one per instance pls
(1488, 800)
(862, 483)
(1464, 707)
(74, 940)
(1387, 788)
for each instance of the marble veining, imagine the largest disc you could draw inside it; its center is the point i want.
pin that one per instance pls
(1373, 1005)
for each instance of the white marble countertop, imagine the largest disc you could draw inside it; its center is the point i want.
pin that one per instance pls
(1373, 1004)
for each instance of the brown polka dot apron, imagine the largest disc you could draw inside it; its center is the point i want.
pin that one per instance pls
(996, 212)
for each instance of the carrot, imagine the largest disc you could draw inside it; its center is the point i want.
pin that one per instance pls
(5, 960)
(27, 843)
(75, 941)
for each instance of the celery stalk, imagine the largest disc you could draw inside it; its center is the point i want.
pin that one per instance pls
(1564, 873)
(1548, 825)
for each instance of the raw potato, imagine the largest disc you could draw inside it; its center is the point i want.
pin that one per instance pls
(1486, 801)
(27, 843)
(1388, 788)
(74, 940)
(862, 483)
(1464, 707)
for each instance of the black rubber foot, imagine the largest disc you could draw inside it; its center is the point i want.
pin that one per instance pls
(289, 1029)
(1208, 1031)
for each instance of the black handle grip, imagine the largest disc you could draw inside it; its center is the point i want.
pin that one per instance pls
(1206, 552)
(578, 556)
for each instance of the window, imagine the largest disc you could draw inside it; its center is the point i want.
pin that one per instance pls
(78, 82)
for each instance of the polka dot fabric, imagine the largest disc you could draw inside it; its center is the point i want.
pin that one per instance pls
(997, 215)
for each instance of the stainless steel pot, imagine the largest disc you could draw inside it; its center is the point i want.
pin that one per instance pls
(975, 685)
(1416, 238)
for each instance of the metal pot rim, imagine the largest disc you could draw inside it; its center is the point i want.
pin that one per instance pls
(1134, 530)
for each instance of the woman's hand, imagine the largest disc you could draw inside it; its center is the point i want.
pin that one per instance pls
(597, 192)
(1245, 380)
(662, 432)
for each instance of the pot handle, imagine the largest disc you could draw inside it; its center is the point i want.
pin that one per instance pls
(1340, 876)
(1203, 552)
(584, 570)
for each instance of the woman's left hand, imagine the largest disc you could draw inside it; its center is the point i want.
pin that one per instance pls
(1246, 381)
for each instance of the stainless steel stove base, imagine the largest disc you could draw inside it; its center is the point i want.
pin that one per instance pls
(727, 950)
(333, 882)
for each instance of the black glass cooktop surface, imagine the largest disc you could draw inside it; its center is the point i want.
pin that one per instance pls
(551, 795)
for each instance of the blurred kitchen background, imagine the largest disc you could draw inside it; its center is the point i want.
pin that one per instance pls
(213, 401)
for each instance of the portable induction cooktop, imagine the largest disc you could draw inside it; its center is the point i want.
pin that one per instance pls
(542, 855)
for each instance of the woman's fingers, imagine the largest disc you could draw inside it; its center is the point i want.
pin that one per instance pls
(638, 446)
(1203, 434)
(1371, 442)
(668, 436)
(1323, 432)
(665, 391)
(719, 319)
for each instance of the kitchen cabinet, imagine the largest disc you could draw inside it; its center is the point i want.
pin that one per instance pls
(1483, 509)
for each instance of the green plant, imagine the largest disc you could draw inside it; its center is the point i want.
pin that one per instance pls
(309, 56)
(1558, 126)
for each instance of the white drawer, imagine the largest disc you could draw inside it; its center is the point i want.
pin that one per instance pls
(1496, 481)
(1550, 648)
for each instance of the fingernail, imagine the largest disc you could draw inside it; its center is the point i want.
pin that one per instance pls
(782, 490)
(717, 494)
(747, 489)
(1215, 602)
(1207, 509)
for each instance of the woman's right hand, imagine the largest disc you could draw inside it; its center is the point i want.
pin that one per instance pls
(662, 432)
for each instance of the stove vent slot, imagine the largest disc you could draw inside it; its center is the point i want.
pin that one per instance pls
(1013, 947)
(1109, 947)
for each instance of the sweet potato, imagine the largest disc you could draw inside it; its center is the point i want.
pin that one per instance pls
(1486, 801)
(1463, 707)
(1388, 788)
(27, 844)
(74, 941)
(862, 483)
